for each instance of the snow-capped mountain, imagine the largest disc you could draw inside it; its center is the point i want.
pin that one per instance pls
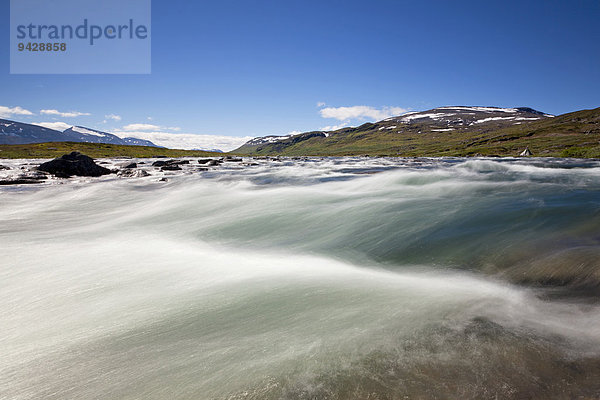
(12, 132)
(461, 116)
(267, 139)
(441, 119)
(82, 134)
(402, 133)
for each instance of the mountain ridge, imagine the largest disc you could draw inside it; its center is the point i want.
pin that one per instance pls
(14, 132)
(446, 131)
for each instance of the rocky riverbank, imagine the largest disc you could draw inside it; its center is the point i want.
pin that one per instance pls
(76, 166)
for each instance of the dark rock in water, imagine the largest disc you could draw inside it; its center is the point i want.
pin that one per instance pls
(36, 175)
(2, 167)
(171, 168)
(232, 159)
(179, 162)
(214, 163)
(163, 180)
(73, 164)
(202, 169)
(19, 181)
(132, 173)
(128, 165)
(25, 179)
(204, 160)
(169, 162)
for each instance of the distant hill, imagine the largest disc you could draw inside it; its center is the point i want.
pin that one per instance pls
(12, 132)
(94, 150)
(448, 131)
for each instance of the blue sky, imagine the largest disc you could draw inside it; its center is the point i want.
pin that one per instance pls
(241, 68)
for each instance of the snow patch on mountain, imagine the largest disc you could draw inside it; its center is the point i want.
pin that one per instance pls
(86, 131)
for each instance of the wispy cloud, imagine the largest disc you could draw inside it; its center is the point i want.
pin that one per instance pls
(336, 127)
(69, 114)
(187, 140)
(7, 112)
(149, 128)
(59, 126)
(361, 112)
(321, 104)
(114, 117)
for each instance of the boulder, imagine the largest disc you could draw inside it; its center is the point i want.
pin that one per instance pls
(132, 173)
(169, 162)
(73, 164)
(129, 165)
(24, 179)
(171, 168)
(18, 181)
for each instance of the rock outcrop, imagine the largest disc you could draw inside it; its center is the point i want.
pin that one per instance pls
(73, 164)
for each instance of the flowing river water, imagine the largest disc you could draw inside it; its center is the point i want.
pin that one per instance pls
(335, 278)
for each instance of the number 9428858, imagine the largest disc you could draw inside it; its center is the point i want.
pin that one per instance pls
(42, 46)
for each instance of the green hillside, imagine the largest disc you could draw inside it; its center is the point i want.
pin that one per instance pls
(575, 134)
(94, 150)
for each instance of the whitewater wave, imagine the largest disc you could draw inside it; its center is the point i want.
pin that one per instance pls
(335, 278)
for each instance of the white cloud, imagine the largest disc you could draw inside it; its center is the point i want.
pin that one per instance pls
(141, 127)
(344, 124)
(113, 117)
(59, 126)
(187, 140)
(70, 114)
(361, 112)
(6, 112)
(149, 128)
